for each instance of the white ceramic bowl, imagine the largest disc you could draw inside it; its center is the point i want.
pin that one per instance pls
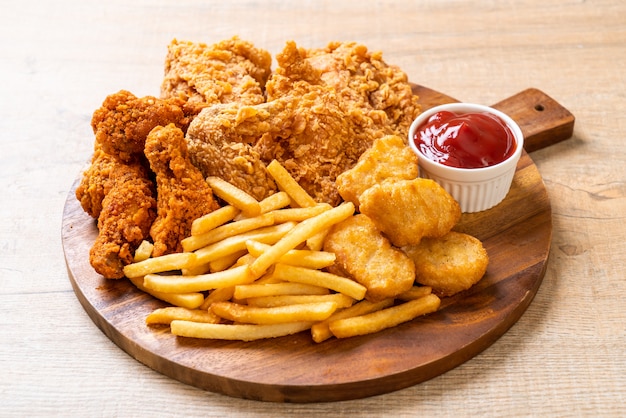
(476, 189)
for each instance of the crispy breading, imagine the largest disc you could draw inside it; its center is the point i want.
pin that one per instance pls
(96, 181)
(449, 264)
(342, 98)
(407, 210)
(128, 209)
(182, 192)
(388, 157)
(219, 141)
(324, 108)
(123, 121)
(230, 71)
(364, 255)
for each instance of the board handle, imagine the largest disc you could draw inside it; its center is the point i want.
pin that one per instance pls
(543, 120)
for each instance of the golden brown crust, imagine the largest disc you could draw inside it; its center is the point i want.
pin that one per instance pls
(230, 71)
(364, 255)
(449, 264)
(182, 192)
(123, 122)
(408, 210)
(388, 157)
(128, 209)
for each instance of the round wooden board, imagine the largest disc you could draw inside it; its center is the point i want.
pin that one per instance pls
(516, 233)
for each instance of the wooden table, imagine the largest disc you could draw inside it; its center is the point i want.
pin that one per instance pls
(566, 356)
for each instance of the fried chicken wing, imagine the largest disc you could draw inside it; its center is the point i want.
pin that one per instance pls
(408, 210)
(363, 254)
(128, 210)
(96, 181)
(231, 71)
(182, 192)
(123, 121)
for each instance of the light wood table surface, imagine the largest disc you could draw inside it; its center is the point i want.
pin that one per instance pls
(566, 356)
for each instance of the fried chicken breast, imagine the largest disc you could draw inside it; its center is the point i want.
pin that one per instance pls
(323, 109)
(182, 192)
(230, 71)
(363, 254)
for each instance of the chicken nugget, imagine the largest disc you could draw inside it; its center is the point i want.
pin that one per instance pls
(408, 210)
(364, 255)
(388, 157)
(449, 264)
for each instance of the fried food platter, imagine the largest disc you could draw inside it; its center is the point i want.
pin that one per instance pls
(516, 233)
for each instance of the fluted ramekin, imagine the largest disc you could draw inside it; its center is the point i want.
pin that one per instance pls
(476, 189)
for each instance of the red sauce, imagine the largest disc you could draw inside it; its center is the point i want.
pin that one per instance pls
(468, 140)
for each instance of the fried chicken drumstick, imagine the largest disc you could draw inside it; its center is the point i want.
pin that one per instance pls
(117, 188)
(183, 194)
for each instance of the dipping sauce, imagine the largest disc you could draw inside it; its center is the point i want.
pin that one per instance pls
(468, 140)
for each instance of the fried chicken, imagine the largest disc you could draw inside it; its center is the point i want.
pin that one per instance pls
(219, 141)
(364, 80)
(123, 121)
(343, 99)
(128, 209)
(96, 181)
(231, 71)
(324, 108)
(182, 192)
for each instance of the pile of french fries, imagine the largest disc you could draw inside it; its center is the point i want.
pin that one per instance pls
(252, 270)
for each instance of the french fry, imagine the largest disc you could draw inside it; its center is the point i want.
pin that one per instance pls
(320, 278)
(168, 262)
(316, 242)
(188, 284)
(171, 313)
(274, 315)
(236, 197)
(143, 252)
(184, 300)
(300, 233)
(274, 289)
(218, 295)
(213, 219)
(226, 262)
(340, 299)
(415, 292)
(302, 258)
(299, 214)
(385, 318)
(268, 235)
(289, 185)
(241, 332)
(222, 232)
(321, 332)
(273, 202)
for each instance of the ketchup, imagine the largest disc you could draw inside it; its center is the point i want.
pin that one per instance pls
(468, 140)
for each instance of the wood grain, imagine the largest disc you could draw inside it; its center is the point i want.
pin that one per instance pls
(516, 234)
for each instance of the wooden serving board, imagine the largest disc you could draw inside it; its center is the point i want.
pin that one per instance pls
(516, 234)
